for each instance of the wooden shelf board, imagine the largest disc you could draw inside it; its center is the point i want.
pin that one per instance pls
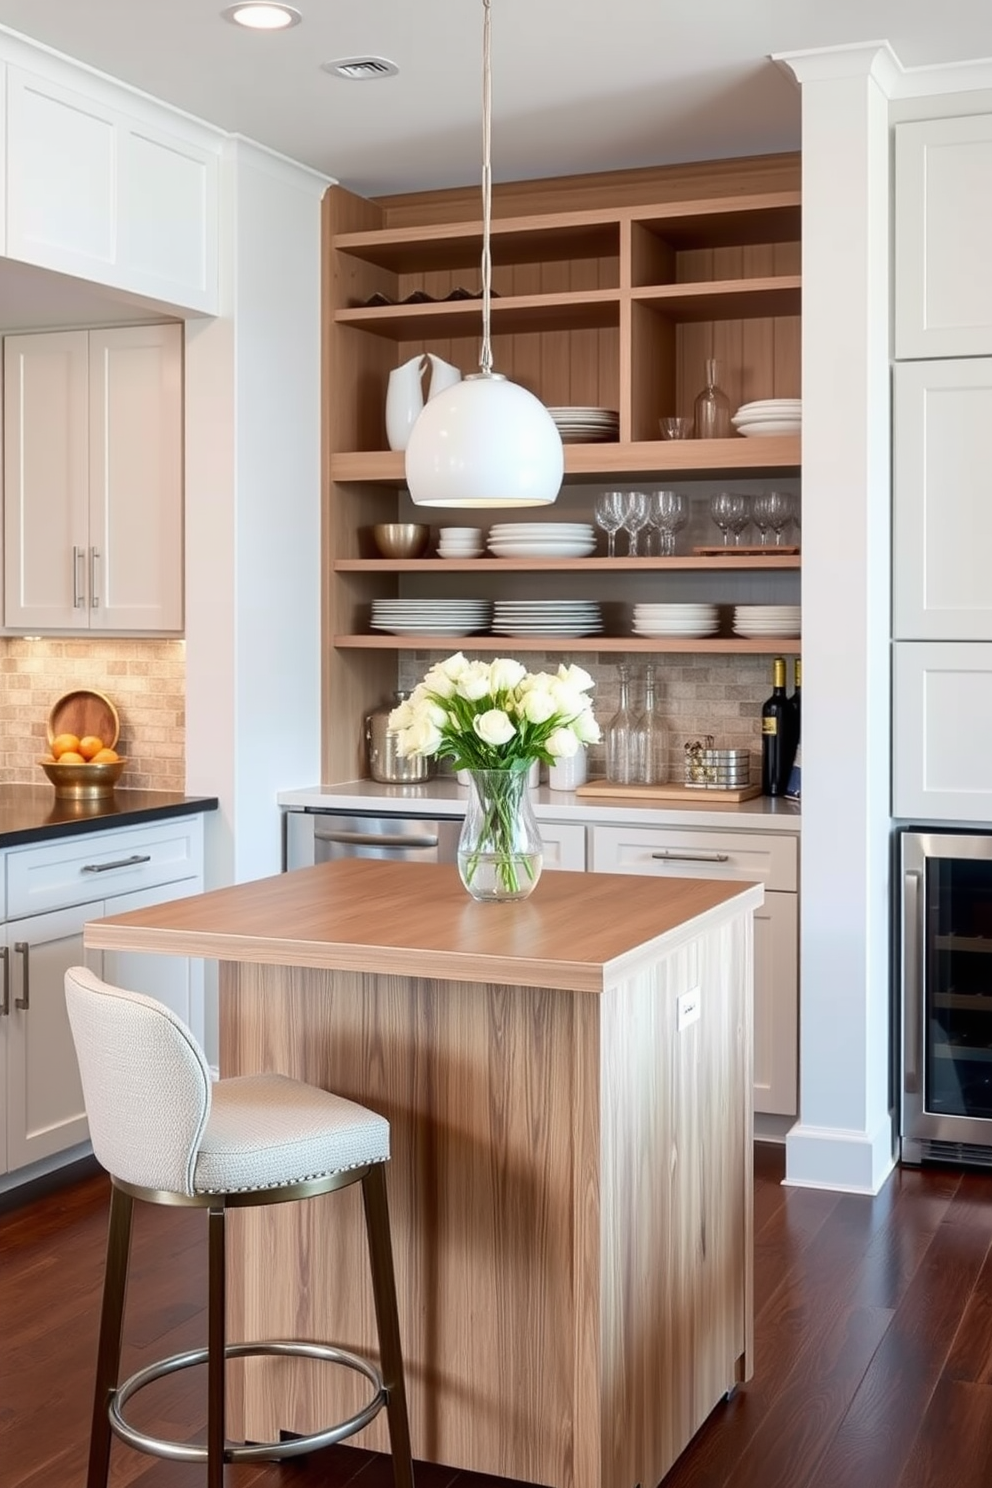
(780, 455)
(725, 299)
(770, 217)
(591, 309)
(766, 646)
(763, 561)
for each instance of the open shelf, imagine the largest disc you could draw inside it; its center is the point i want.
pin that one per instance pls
(749, 562)
(715, 645)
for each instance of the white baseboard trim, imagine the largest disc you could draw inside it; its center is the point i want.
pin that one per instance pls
(837, 1158)
(769, 1128)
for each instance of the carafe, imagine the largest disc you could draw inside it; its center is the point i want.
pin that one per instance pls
(712, 408)
(621, 755)
(650, 738)
(405, 393)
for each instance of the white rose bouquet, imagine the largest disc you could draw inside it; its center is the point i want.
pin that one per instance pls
(494, 719)
(496, 715)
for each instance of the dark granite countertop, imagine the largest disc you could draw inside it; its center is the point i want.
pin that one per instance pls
(30, 813)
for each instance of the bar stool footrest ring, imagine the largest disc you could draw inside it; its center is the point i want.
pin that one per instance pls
(258, 1452)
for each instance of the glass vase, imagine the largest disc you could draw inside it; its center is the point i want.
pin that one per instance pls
(499, 850)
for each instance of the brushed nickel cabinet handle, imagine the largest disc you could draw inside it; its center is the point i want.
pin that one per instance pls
(699, 856)
(5, 1000)
(117, 863)
(94, 595)
(78, 598)
(23, 949)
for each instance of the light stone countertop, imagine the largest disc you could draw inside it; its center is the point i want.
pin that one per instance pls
(445, 797)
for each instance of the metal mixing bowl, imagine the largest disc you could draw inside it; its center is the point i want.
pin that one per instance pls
(401, 539)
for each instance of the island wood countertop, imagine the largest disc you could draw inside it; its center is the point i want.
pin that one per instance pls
(577, 931)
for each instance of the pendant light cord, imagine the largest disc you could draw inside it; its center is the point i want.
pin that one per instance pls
(486, 356)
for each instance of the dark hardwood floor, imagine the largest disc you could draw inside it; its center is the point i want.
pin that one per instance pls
(873, 1345)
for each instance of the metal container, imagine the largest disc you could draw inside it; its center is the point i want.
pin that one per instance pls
(716, 769)
(385, 762)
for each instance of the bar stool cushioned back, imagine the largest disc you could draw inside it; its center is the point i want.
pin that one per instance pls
(167, 1133)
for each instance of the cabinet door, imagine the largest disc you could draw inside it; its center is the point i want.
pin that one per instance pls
(46, 479)
(175, 980)
(135, 559)
(167, 218)
(943, 226)
(564, 846)
(942, 516)
(941, 725)
(45, 1111)
(776, 1005)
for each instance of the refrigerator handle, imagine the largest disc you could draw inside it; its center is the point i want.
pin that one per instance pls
(912, 982)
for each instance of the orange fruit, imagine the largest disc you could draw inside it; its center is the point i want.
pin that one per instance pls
(105, 757)
(63, 743)
(71, 757)
(90, 745)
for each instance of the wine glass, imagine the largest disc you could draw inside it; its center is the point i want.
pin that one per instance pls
(636, 516)
(669, 514)
(740, 518)
(609, 511)
(726, 509)
(780, 508)
(759, 516)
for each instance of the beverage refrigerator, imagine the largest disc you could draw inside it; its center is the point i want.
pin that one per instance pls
(945, 987)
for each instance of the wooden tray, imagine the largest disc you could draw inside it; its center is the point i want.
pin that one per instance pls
(673, 792)
(755, 550)
(84, 712)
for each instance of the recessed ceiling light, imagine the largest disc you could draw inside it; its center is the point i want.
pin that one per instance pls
(360, 69)
(262, 15)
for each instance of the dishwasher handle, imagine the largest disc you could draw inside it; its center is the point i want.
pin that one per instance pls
(376, 839)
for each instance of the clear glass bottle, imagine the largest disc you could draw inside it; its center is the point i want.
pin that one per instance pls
(712, 408)
(621, 760)
(651, 738)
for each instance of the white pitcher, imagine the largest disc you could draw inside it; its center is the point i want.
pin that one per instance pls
(405, 393)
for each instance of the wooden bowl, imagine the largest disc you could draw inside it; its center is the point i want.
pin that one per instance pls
(87, 782)
(84, 712)
(401, 539)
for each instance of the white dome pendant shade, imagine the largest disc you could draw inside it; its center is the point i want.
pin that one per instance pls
(484, 442)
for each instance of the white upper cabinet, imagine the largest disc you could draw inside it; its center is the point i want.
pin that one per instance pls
(93, 498)
(942, 507)
(943, 232)
(94, 192)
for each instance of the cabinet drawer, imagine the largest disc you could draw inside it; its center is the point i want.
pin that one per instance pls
(76, 870)
(564, 846)
(677, 852)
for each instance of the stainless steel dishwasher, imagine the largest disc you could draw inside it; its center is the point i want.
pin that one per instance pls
(317, 836)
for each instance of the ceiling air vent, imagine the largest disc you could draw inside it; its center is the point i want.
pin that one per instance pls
(361, 69)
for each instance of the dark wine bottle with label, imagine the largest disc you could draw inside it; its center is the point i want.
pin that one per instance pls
(776, 734)
(794, 779)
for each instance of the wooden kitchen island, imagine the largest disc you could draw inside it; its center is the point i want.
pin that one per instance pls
(568, 1085)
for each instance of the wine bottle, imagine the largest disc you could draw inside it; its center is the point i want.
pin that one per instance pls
(776, 729)
(794, 785)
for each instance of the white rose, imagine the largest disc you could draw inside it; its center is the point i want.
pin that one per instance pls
(422, 737)
(562, 744)
(493, 727)
(576, 677)
(535, 682)
(568, 700)
(401, 717)
(586, 729)
(505, 674)
(438, 682)
(538, 706)
(474, 683)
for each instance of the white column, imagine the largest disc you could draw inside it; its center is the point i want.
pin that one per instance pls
(844, 1136)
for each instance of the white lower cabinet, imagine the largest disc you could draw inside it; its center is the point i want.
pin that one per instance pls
(563, 845)
(941, 724)
(757, 857)
(73, 880)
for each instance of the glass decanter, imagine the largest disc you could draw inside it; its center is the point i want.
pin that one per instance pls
(712, 408)
(650, 738)
(621, 758)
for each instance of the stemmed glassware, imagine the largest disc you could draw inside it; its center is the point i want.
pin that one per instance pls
(669, 514)
(780, 512)
(609, 511)
(760, 516)
(636, 516)
(731, 512)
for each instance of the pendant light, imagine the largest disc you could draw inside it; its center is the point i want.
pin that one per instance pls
(486, 442)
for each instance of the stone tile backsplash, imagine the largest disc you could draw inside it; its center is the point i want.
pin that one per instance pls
(718, 695)
(144, 679)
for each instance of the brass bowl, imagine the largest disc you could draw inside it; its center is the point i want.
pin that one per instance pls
(87, 782)
(401, 539)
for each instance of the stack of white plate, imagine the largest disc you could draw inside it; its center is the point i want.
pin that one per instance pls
(756, 621)
(542, 539)
(547, 617)
(460, 542)
(676, 619)
(769, 416)
(433, 617)
(586, 425)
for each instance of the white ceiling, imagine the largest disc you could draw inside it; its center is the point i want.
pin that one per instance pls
(577, 84)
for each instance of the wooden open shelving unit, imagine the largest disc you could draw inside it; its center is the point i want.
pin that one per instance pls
(611, 291)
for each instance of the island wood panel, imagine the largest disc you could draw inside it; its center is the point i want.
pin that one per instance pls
(569, 1200)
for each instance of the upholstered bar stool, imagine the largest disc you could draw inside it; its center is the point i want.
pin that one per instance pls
(167, 1134)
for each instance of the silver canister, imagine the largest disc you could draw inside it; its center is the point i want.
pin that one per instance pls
(386, 764)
